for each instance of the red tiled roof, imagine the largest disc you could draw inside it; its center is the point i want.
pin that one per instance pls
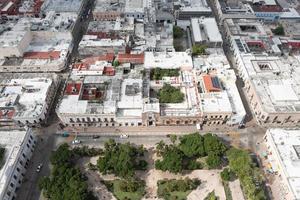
(209, 84)
(267, 8)
(255, 42)
(7, 114)
(42, 55)
(11, 10)
(73, 88)
(131, 58)
(91, 60)
(104, 35)
(109, 71)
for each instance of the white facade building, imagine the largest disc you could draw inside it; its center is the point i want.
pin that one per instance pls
(26, 101)
(205, 31)
(284, 155)
(19, 146)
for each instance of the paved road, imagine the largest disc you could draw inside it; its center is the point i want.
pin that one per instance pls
(147, 141)
(29, 189)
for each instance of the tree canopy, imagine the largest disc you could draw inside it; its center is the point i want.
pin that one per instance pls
(241, 164)
(176, 189)
(279, 30)
(213, 161)
(172, 160)
(158, 73)
(65, 182)
(178, 32)
(184, 155)
(198, 49)
(212, 144)
(120, 159)
(192, 145)
(170, 94)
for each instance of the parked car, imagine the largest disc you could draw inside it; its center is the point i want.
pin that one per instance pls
(124, 136)
(76, 141)
(39, 167)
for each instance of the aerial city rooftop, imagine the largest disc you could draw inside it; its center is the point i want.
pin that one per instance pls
(113, 64)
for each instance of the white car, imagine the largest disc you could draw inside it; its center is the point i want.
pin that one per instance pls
(124, 136)
(39, 167)
(76, 141)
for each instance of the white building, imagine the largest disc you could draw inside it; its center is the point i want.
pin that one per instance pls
(168, 60)
(91, 45)
(26, 101)
(38, 51)
(271, 74)
(19, 146)
(284, 155)
(205, 31)
(14, 43)
(219, 102)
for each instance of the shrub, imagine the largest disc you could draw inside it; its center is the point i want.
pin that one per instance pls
(213, 161)
(226, 174)
(178, 32)
(170, 94)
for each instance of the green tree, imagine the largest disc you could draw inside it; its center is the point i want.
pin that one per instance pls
(241, 164)
(212, 144)
(192, 145)
(170, 94)
(279, 30)
(173, 138)
(193, 165)
(213, 161)
(172, 160)
(160, 147)
(116, 63)
(120, 159)
(62, 155)
(239, 161)
(178, 32)
(198, 49)
(158, 73)
(226, 174)
(65, 182)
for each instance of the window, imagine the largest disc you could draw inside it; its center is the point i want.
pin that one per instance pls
(15, 177)
(8, 193)
(12, 185)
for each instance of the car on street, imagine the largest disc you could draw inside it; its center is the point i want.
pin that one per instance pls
(96, 136)
(76, 141)
(39, 167)
(124, 136)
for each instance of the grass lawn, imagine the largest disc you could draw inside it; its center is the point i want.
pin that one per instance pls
(176, 189)
(227, 190)
(114, 187)
(175, 195)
